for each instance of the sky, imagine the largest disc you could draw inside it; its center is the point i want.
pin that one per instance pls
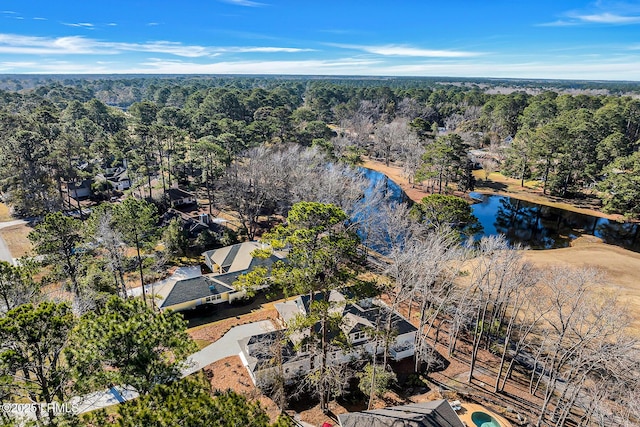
(550, 39)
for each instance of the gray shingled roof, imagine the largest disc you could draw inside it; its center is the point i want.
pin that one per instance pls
(262, 355)
(358, 317)
(229, 278)
(178, 193)
(194, 289)
(426, 414)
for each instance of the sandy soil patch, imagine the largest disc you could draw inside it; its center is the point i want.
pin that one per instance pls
(16, 239)
(230, 374)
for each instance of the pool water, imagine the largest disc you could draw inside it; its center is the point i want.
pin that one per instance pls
(482, 419)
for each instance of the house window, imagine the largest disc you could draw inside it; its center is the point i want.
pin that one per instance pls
(359, 336)
(212, 298)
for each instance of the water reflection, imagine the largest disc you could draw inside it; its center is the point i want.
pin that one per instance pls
(533, 225)
(545, 227)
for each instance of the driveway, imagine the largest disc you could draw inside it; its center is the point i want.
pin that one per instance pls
(225, 346)
(5, 254)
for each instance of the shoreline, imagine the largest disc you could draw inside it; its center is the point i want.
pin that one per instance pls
(499, 186)
(618, 265)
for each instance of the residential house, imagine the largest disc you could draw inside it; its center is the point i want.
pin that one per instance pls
(437, 413)
(359, 318)
(191, 293)
(194, 224)
(179, 197)
(117, 178)
(120, 180)
(79, 190)
(259, 354)
(227, 264)
(239, 258)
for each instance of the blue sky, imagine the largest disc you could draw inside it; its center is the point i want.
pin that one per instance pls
(465, 38)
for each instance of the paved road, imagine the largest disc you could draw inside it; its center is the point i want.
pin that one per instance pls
(225, 346)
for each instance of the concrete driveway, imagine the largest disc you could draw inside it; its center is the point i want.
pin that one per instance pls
(225, 346)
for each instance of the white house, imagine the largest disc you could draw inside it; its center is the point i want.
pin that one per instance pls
(118, 178)
(257, 352)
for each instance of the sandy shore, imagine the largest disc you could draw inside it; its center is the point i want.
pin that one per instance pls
(495, 184)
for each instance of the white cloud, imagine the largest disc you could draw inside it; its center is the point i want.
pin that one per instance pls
(76, 45)
(342, 66)
(402, 50)
(87, 25)
(350, 66)
(37, 18)
(261, 49)
(595, 69)
(152, 24)
(559, 23)
(245, 3)
(609, 18)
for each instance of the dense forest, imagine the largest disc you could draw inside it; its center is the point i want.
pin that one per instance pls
(62, 131)
(277, 155)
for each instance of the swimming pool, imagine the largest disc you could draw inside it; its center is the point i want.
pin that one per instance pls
(482, 419)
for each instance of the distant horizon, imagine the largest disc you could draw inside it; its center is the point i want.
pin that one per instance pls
(546, 40)
(462, 79)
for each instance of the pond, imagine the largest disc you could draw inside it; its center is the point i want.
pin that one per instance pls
(533, 225)
(545, 227)
(394, 191)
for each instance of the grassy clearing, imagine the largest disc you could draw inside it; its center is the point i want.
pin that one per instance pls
(16, 239)
(4, 213)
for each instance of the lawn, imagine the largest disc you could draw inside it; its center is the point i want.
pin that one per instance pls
(4, 213)
(16, 239)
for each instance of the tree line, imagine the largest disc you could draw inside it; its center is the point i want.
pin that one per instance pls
(193, 131)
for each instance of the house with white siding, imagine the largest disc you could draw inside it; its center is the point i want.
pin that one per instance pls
(262, 359)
